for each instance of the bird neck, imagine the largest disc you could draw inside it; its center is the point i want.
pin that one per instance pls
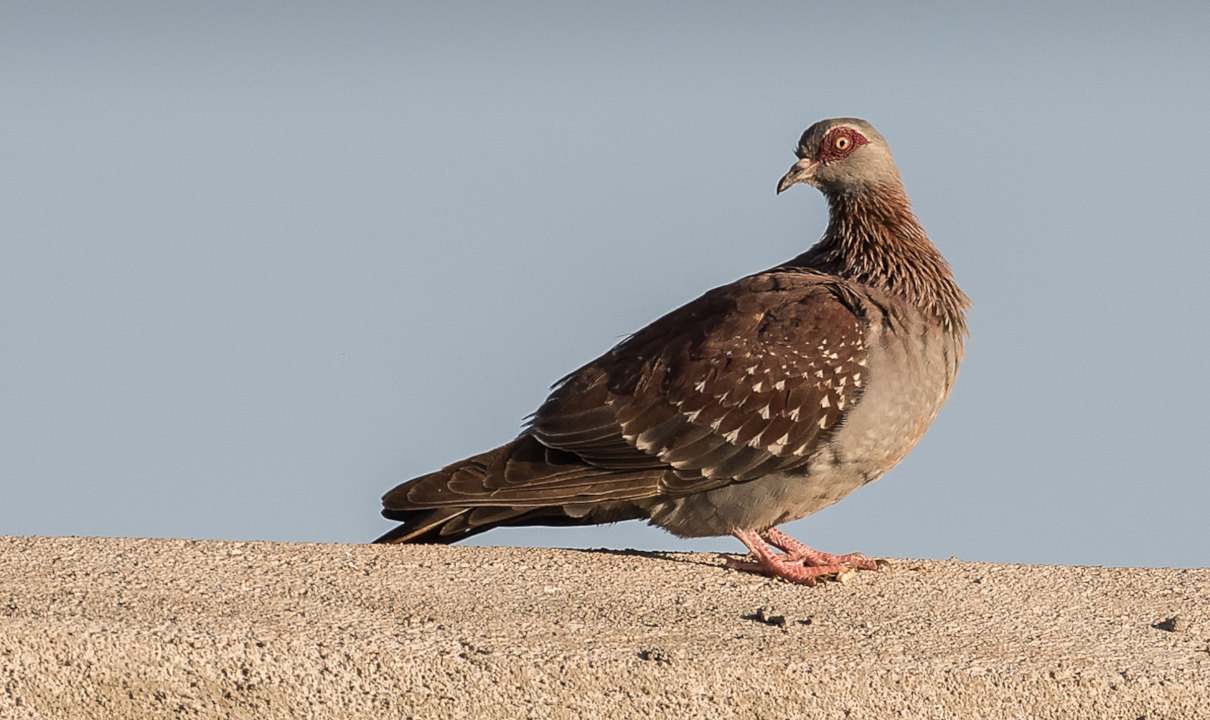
(874, 238)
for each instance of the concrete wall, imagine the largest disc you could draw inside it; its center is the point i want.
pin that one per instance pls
(100, 628)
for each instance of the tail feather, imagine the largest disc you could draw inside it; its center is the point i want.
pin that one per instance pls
(423, 526)
(521, 483)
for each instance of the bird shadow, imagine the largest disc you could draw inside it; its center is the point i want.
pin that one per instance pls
(664, 555)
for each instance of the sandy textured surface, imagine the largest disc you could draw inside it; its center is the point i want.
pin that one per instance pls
(94, 628)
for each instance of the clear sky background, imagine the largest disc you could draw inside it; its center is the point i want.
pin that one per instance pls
(259, 262)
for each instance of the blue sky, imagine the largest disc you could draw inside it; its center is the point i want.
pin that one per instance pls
(257, 265)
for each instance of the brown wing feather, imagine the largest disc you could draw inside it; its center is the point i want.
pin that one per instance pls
(741, 382)
(523, 473)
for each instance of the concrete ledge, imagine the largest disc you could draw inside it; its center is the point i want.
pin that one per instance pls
(97, 628)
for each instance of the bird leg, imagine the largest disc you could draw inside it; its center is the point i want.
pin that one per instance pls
(785, 567)
(811, 557)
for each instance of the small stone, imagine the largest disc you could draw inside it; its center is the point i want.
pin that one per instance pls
(1176, 623)
(656, 655)
(768, 616)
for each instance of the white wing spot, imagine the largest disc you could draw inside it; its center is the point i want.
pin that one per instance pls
(780, 444)
(824, 403)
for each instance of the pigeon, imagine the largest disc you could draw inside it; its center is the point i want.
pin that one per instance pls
(758, 403)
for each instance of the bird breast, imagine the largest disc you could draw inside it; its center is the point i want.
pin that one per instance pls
(912, 369)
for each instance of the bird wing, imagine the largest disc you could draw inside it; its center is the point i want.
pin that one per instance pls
(747, 380)
(744, 381)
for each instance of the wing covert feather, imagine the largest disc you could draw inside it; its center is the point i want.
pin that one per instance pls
(744, 381)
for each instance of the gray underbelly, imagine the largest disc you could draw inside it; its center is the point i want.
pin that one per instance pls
(757, 504)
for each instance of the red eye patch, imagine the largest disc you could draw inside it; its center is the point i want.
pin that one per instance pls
(838, 143)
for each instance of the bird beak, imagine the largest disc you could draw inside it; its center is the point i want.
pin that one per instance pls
(801, 171)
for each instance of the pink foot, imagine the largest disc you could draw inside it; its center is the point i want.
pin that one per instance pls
(800, 564)
(811, 557)
(786, 569)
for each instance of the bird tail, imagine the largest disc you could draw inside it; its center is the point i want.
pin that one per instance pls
(520, 483)
(422, 526)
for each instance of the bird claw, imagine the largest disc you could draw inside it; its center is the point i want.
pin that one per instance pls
(854, 561)
(789, 570)
(796, 550)
(799, 563)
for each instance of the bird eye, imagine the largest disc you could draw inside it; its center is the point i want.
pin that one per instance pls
(842, 143)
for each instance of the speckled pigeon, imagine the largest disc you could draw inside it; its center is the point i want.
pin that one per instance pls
(758, 403)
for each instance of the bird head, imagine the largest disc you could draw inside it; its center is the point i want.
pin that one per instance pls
(839, 156)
